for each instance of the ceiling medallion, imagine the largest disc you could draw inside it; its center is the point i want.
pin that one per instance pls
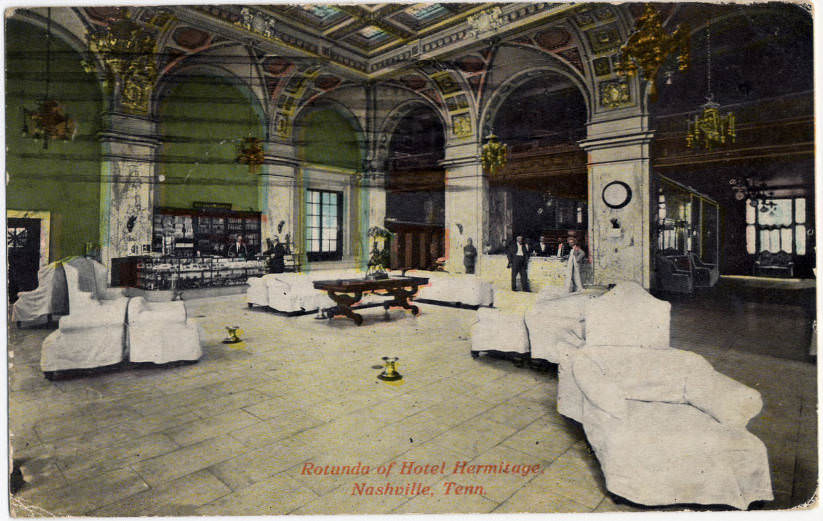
(649, 46)
(486, 21)
(494, 156)
(128, 53)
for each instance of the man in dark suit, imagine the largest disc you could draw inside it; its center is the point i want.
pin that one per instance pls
(543, 248)
(238, 249)
(518, 255)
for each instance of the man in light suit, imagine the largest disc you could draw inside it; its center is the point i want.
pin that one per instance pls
(518, 255)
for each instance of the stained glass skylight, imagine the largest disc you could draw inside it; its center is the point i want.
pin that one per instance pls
(322, 11)
(422, 12)
(371, 32)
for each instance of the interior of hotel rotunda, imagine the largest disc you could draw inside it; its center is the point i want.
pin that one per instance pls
(228, 166)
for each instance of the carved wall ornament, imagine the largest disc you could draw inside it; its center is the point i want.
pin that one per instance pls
(128, 53)
(461, 125)
(614, 94)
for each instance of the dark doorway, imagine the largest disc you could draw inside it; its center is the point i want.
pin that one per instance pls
(23, 246)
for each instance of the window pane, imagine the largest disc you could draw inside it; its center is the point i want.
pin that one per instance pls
(786, 239)
(314, 245)
(750, 239)
(800, 210)
(751, 214)
(800, 239)
(775, 212)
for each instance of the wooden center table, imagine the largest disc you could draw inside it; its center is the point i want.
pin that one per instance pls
(347, 292)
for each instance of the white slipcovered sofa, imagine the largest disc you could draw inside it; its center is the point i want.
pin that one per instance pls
(454, 289)
(160, 332)
(294, 293)
(92, 334)
(667, 428)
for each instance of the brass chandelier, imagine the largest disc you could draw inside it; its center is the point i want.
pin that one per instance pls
(710, 127)
(251, 151)
(49, 121)
(494, 155)
(649, 46)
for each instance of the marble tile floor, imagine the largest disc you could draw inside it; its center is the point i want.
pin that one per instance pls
(233, 433)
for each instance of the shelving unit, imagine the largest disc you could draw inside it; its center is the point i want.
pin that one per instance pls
(184, 232)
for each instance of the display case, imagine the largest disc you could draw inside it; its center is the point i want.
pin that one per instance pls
(165, 273)
(187, 232)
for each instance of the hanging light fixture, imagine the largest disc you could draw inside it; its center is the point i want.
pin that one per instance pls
(756, 193)
(50, 120)
(494, 155)
(251, 151)
(710, 127)
(649, 46)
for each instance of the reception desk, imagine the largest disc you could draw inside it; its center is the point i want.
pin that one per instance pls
(542, 271)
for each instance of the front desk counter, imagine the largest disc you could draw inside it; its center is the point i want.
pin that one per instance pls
(164, 273)
(542, 271)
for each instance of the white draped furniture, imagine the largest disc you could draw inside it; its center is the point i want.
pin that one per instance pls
(93, 333)
(454, 289)
(99, 332)
(667, 428)
(50, 299)
(160, 332)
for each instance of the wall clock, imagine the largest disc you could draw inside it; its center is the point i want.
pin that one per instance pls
(617, 194)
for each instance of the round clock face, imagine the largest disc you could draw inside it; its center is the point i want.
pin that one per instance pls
(617, 194)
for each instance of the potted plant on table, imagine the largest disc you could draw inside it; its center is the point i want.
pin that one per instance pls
(379, 258)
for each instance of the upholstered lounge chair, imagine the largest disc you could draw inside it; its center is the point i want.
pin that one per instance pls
(159, 332)
(92, 334)
(667, 428)
(556, 324)
(625, 316)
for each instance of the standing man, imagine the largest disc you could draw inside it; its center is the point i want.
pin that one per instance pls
(469, 256)
(518, 260)
(543, 248)
(238, 249)
(574, 281)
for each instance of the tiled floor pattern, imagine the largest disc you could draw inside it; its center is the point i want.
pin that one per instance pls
(232, 433)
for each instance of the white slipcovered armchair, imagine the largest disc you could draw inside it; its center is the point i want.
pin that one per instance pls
(92, 334)
(625, 316)
(159, 332)
(667, 428)
(556, 324)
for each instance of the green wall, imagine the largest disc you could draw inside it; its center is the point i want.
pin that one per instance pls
(328, 138)
(65, 178)
(203, 123)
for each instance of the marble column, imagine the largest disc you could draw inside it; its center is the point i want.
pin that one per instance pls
(279, 194)
(620, 238)
(129, 145)
(467, 203)
(372, 210)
